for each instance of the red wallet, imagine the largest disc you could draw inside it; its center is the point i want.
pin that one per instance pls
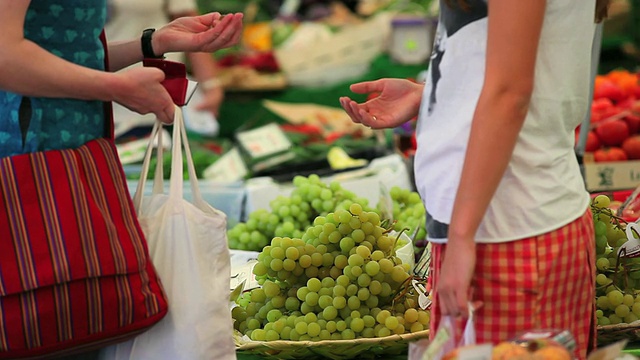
(175, 80)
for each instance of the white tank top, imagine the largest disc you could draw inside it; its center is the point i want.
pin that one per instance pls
(542, 188)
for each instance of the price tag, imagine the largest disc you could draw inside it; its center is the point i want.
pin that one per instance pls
(264, 141)
(229, 168)
(423, 299)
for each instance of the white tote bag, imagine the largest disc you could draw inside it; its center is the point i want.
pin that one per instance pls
(188, 246)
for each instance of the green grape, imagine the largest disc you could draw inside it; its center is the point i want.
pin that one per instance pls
(330, 313)
(364, 280)
(312, 298)
(615, 298)
(313, 329)
(622, 310)
(325, 301)
(603, 321)
(411, 315)
(292, 253)
(356, 271)
(601, 201)
(602, 279)
(302, 293)
(305, 261)
(353, 302)
(348, 334)
(372, 268)
(628, 300)
(600, 228)
(363, 294)
(614, 319)
(301, 328)
(355, 209)
(357, 325)
(391, 322)
(271, 289)
(399, 274)
(356, 259)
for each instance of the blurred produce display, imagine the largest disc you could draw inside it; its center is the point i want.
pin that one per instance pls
(614, 130)
(618, 272)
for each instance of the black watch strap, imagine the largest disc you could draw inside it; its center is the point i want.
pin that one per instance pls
(147, 48)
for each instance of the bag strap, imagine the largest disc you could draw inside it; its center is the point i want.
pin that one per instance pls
(109, 127)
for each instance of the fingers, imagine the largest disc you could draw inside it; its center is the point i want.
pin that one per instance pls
(366, 87)
(360, 114)
(225, 33)
(166, 114)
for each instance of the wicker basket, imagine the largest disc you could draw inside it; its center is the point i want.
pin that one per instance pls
(608, 334)
(331, 349)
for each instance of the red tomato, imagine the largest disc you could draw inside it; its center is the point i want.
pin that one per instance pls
(613, 132)
(631, 147)
(627, 103)
(633, 121)
(609, 154)
(601, 104)
(608, 89)
(592, 144)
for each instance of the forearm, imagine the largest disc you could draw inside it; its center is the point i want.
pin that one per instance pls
(36, 72)
(497, 122)
(203, 66)
(124, 53)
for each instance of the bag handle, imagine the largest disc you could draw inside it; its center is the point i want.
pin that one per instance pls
(181, 141)
(144, 172)
(179, 138)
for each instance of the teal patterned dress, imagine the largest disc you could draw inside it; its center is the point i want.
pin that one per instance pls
(71, 30)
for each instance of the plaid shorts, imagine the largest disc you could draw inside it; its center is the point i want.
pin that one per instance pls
(541, 282)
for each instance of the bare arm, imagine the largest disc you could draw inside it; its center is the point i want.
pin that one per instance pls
(514, 29)
(204, 33)
(48, 75)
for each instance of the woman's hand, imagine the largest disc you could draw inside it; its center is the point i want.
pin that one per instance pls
(454, 288)
(139, 89)
(398, 102)
(204, 33)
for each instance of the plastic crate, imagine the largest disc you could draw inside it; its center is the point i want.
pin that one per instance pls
(345, 55)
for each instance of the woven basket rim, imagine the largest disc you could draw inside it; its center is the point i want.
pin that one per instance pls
(283, 344)
(622, 326)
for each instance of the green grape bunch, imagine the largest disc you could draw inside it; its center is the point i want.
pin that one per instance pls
(290, 216)
(341, 280)
(617, 277)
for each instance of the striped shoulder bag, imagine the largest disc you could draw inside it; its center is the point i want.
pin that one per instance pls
(74, 266)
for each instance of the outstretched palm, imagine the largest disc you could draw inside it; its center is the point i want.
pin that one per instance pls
(205, 33)
(398, 102)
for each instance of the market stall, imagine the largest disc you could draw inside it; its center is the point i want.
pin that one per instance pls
(273, 197)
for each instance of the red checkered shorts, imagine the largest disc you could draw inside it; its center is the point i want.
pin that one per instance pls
(541, 282)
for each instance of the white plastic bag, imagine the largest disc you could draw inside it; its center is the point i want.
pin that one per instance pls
(188, 246)
(445, 340)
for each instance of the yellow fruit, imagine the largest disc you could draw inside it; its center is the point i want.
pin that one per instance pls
(552, 353)
(506, 350)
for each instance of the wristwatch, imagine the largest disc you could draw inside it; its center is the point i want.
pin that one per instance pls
(147, 47)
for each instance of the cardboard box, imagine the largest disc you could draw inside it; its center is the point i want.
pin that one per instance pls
(619, 175)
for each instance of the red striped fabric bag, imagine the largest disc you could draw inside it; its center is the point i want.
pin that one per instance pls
(74, 265)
